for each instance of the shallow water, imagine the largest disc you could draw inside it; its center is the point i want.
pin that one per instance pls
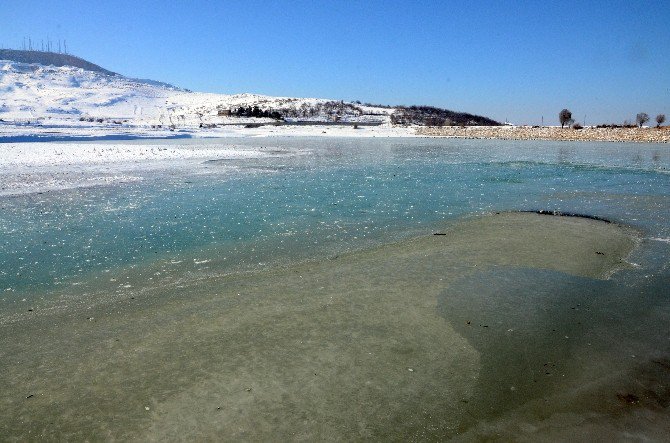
(314, 197)
(275, 289)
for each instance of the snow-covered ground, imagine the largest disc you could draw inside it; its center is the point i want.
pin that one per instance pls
(15, 156)
(12, 133)
(64, 105)
(39, 167)
(46, 102)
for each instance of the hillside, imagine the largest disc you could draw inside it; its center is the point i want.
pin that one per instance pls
(50, 58)
(59, 89)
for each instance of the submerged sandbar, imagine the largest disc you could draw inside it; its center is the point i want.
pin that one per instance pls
(371, 344)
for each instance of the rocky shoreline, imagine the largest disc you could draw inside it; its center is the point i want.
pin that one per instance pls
(638, 135)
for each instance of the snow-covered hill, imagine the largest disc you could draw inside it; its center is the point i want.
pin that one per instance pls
(51, 95)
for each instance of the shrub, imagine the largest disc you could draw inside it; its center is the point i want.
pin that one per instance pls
(625, 124)
(577, 126)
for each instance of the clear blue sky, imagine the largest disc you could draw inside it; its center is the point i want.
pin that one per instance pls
(516, 60)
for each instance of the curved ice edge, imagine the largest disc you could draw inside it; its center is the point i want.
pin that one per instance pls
(565, 214)
(626, 260)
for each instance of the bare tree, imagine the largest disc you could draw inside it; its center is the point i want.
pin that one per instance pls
(660, 119)
(564, 116)
(642, 118)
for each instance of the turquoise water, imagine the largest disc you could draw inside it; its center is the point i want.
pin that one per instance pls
(126, 311)
(336, 195)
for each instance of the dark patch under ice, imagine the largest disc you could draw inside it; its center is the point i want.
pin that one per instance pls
(568, 214)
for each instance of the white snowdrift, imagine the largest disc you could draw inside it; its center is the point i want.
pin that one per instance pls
(27, 155)
(57, 97)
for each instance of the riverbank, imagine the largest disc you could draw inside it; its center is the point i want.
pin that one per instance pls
(639, 135)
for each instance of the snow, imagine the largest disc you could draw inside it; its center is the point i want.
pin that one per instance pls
(46, 101)
(30, 155)
(38, 167)
(66, 105)
(16, 133)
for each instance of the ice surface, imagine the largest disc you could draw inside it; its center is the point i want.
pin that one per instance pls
(297, 287)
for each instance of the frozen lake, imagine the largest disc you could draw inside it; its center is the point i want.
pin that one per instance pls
(119, 260)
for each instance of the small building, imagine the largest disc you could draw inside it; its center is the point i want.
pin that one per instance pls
(225, 112)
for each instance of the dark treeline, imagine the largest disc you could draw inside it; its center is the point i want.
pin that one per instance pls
(431, 116)
(334, 109)
(615, 126)
(404, 115)
(256, 112)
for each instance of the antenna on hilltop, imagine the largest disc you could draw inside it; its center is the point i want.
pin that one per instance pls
(65, 45)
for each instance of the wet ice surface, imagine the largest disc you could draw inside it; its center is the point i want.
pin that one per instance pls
(136, 268)
(296, 199)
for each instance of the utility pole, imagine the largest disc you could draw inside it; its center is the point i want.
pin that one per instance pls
(65, 44)
(542, 120)
(59, 46)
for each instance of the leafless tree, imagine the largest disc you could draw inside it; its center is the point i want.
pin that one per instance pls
(660, 119)
(642, 118)
(564, 116)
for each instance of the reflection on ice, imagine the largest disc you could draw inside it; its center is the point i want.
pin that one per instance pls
(299, 199)
(280, 286)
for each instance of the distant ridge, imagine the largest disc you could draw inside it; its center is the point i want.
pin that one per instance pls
(40, 84)
(50, 58)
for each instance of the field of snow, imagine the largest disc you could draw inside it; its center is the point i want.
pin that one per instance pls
(62, 105)
(23, 133)
(39, 167)
(39, 99)
(30, 155)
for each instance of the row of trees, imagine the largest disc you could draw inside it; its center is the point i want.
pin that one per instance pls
(643, 118)
(565, 118)
(332, 109)
(432, 116)
(256, 112)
